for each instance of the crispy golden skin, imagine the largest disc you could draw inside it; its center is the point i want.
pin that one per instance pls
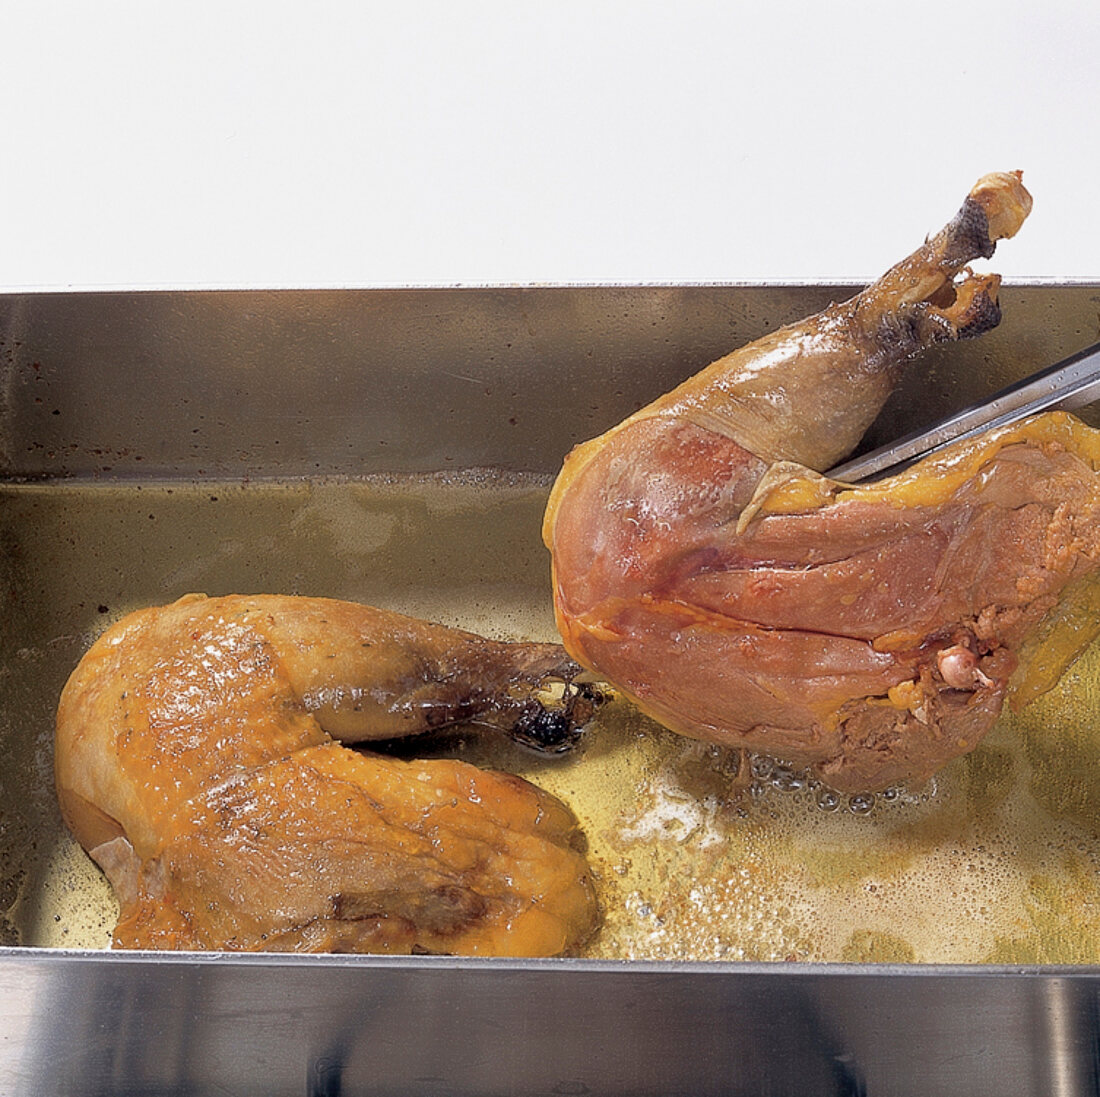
(194, 760)
(738, 597)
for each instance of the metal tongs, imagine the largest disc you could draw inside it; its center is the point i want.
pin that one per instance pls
(1069, 385)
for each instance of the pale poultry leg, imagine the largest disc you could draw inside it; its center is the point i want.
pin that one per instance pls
(738, 597)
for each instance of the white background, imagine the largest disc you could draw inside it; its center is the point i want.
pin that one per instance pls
(337, 144)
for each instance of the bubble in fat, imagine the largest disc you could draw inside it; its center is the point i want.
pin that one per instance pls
(769, 773)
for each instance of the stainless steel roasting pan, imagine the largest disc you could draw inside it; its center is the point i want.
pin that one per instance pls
(157, 442)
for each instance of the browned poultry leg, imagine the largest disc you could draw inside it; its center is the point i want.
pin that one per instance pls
(194, 760)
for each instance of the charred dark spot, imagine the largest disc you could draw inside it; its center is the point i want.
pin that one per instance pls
(968, 235)
(548, 730)
(556, 730)
(983, 313)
